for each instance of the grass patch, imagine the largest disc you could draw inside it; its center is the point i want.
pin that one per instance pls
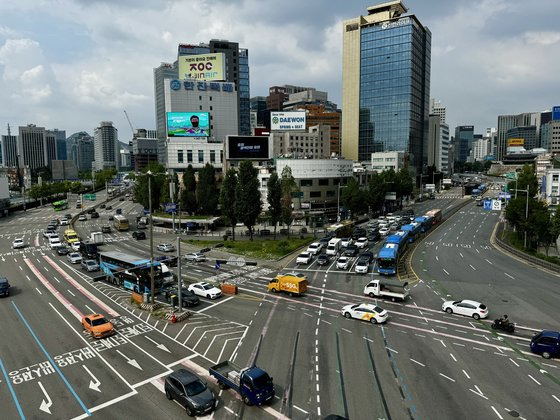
(263, 249)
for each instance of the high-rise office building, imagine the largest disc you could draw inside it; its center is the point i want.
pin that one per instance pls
(258, 106)
(106, 146)
(9, 150)
(32, 147)
(60, 136)
(51, 146)
(385, 84)
(438, 144)
(464, 137)
(507, 122)
(525, 136)
(80, 150)
(437, 108)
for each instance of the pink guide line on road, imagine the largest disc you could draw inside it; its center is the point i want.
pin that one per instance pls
(78, 286)
(53, 290)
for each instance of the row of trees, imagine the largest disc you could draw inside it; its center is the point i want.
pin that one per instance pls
(47, 190)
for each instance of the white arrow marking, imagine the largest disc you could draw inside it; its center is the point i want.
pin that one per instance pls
(94, 383)
(159, 346)
(130, 361)
(542, 371)
(478, 392)
(45, 405)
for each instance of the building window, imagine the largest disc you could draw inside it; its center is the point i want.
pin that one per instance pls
(189, 156)
(201, 156)
(221, 156)
(180, 156)
(315, 194)
(331, 193)
(210, 107)
(210, 98)
(306, 182)
(323, 182)
(212, 156)
(554, 177)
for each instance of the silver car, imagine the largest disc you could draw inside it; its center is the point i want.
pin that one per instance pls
(90, 265)
(166, 247)
(196, 257)
(74, 258)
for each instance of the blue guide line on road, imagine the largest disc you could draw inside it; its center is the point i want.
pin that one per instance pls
(11, 390)
(52, 361)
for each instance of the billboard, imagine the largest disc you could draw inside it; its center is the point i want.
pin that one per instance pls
(516, 142)
(202, 67)
(248, 147)
(294, 120)
(556, 113)
(188, 124)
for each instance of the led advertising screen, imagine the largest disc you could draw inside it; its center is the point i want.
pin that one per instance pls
(188, 124)
(203, 67)
(556, 113)
(248, 147)
(293, 120)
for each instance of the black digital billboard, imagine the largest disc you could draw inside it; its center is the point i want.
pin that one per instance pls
(248, 147)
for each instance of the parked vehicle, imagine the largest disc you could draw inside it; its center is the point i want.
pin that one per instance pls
(466, 307)
(97, 326)
(4, 286)
(189, 391)
(188, 300)
(253, 384)
(545, 343)
(292, 283)
(388, 288)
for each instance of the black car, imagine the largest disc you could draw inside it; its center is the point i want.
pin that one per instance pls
(91, 210)
(62, 250)
(118, 211)
(189, 298)
(368, 256)
(111, 217)
(121, 199)
(323, 259)
(324, 241)
(409, 212)
(350, 251)
(168, 260)
(189, 391)
(4, 287)
(68, 215)
(106, 229)
(264, 232)
(102, 206)
(94, 215)
(373, 235)
(203, 250)
(358, 233)
(109, 207)
(138, 235)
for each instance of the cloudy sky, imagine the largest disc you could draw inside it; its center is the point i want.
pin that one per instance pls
(69, 64)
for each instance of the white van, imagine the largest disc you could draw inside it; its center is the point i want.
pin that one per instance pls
(333, 246)
(55, 243)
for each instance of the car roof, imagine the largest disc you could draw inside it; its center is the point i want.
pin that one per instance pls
(184, 376)
(94, 316)
(472, 302)
(549, 333)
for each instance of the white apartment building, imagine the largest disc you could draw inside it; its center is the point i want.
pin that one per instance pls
(382, 161)
(311, 144)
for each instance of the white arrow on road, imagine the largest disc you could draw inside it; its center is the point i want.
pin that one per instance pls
(130, 361)
(45, 405)
(94, 383)
(159, 346)
(542, 371)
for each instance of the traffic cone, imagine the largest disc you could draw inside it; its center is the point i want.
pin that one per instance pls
(173, 318)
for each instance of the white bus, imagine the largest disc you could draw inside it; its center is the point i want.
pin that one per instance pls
(333, 246)
(120, 222)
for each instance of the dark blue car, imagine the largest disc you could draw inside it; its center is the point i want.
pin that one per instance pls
(546, 343)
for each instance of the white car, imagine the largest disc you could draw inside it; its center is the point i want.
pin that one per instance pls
(344, 242)
(384, 231)
(82, 218)
(18, 243)
(64, 222)
(166, 247)
(304, 258)
(55, 243)
(343, 263)
(315, 248)
(361, 242)
(205, 290)
(465, 307)
(362, 266)
(53, 235)
(74, 258)
(196, 257)
(366, 312)
(75, 245)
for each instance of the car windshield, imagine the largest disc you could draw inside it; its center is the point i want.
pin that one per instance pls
(195, 388)
(261, 381)
(90, 262)
(207, 286)
(482, 306)
(98, 321)
(378, 309)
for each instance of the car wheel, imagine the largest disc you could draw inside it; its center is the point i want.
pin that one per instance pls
(373, 320)
(247, 400)
(168, 394)
(546, 355)
(476, 316)
(273, 290)
(221, 385)
(371, 295)
(449, 310)
(190, 411)
(347, 315)
(208, 296)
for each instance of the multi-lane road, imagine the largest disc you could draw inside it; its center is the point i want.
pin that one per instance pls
(423, 363)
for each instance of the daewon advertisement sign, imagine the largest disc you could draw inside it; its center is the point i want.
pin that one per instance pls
(286, 121)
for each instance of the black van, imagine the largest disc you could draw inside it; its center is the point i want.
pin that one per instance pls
(4, 287)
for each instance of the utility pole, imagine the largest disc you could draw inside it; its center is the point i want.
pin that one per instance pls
(180, 280)
(172, 195)
(152, 283)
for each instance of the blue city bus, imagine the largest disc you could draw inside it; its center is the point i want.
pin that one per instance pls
(387, 259)
(414, 231)
(400, 238)
(130, 271)
(425, 223)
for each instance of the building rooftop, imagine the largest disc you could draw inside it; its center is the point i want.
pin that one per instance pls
(395, 8)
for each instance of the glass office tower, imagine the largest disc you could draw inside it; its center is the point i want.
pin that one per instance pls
(386, 85)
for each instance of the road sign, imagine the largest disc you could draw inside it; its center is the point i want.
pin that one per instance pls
(90, 197)
(170, 207)
(507, 196)
(496, 205)
(487, 204)
(146, 212)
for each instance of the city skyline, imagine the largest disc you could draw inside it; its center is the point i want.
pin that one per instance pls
(68, 67)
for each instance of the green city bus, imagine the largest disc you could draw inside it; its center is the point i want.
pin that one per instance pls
(60, 205)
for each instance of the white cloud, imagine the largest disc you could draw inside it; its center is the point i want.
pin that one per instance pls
(542, 38)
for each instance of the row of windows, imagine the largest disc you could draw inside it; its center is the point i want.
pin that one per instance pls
(181, 156)
(377, 31)
(368, 51)
(382, 59)
(387, 71)
(372, 83)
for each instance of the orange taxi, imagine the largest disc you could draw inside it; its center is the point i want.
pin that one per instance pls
(97, 326)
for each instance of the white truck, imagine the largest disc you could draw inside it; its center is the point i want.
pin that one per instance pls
(97, 238)
(334, 246)
(387, 288)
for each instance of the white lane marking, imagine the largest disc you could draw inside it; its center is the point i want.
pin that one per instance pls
(472, 267)
(453, 357)
(437, 259)
(390, 349)
(91, 310)
(344, 329)
(445, 271)
(296, 407)
(489, 262)
(447, 377)
(496, 411)
(509, 276)
(534, 380)
(556, 398)
(466, 374)
(417, 362)
(39, 291)
(461, 255)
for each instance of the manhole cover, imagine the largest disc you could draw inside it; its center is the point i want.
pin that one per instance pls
(513, 413)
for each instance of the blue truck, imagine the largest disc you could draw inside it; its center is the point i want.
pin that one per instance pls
(253, 384)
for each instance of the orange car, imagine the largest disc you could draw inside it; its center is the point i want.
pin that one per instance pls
(97, 326)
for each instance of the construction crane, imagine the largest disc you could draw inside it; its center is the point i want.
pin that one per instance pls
(129, 123)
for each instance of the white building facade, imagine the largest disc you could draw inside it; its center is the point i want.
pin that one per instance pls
(382, 161)
(311, 144)
(106, 148)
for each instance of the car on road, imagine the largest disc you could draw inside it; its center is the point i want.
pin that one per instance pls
(68, 216)
(362, 242)
(190, 392)
(479, 203)
(195, 257)
(82, 218)
(90, 210)
(343, 263)
(97, 326)
(189, 299)
(205, 290)
(350, 251)
(465, 307)
(324, 241)
(368, 256)
(78, 205)
(121, 199)
(95, 215)
(384, 231)
(110, 217)
(373, 235)
(118, 211)
(4, 286)
(75, 246)
(315, 248)
(90, 265)
(64, 221)
(362, 266)
(141, 225)
(63, 250)
(304, 258)
(366, 312)
(49, 231)
(323, 259)
(55, 243)
(74, 258)
(106, 229)
(138, 235)
(109, 207)
(165, 247)
(344, 242)
(546, 343)
(18, 243)
(102, 206)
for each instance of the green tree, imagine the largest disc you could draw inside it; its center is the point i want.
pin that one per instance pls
(354, 198)
(376, 192)
(156, 181)
(540, 222)
(274, 198)
(207, 190)
(555, 226)
(165, 197)
(405, 183)
(289, 187)
(248, 203)
(227, 198)
(188, 193)
(525, 179)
